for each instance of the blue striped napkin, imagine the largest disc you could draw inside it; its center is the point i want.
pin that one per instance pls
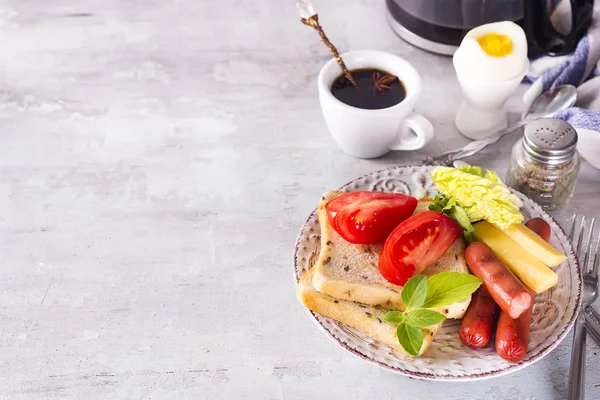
(581, 69)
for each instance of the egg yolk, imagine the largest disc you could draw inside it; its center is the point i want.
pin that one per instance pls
(495, 44)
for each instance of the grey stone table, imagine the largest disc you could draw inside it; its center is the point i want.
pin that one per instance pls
(157, 161)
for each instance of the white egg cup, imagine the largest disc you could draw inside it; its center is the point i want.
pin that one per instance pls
(482, 112)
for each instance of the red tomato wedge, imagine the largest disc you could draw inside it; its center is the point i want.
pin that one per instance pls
(416, 244)
(368, 217)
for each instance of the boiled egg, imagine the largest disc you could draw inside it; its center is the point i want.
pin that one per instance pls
(492, 52)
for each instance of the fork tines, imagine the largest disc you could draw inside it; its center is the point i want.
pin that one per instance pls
(584, 249)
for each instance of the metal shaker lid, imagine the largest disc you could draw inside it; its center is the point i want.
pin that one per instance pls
(550, 140)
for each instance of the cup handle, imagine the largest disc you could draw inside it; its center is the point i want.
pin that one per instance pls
(420, 126)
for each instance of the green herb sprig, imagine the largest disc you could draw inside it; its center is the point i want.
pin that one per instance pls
(419, 295)
(448, 206)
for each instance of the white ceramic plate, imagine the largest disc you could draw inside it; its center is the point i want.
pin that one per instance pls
(447, 359)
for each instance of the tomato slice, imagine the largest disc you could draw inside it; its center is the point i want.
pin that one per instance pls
(416, 244)
(368, 217)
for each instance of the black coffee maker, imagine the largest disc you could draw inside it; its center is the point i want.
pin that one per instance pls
(439, 25)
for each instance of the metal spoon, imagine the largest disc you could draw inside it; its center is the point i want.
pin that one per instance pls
(547, 104)
(310, 18)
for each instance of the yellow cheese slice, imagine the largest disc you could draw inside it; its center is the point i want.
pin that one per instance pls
(530, 270)
(533, 243)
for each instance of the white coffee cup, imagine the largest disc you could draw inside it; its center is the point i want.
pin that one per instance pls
(372, 133)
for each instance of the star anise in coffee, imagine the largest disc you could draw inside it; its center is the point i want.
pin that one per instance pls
(381, 83)
(376, 89)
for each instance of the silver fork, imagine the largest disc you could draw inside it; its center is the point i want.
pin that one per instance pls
(590, 292)
(592, 322)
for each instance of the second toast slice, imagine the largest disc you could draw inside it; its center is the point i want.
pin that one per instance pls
(367, 319)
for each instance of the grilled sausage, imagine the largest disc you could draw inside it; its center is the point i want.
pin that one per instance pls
(478, 323)
(504, 287)
(512, 335)
(539, 226)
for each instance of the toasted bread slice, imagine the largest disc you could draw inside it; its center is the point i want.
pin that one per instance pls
(350, 272)
(367, 319)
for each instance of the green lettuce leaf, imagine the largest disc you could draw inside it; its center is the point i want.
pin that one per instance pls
(492, 176)
(439, 203)
(478, 171)
(469, 169)
(481, 194)
(448, 206)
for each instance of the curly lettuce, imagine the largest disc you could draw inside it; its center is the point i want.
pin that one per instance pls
(489, 174)
(480, 193)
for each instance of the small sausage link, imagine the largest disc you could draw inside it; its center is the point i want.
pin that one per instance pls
(512, 335)
(504, 287)
(541, 227)
(478, 323)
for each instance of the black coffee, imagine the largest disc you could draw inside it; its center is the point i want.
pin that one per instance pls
(376, 89)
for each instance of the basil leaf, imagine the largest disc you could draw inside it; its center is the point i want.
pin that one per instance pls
(424, 318)
(447, 288)
(414, 291)
(394, 317)
(410, 338)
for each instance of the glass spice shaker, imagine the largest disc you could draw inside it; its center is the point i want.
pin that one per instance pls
(545, 162)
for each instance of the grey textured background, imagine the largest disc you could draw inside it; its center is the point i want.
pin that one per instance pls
(157, 162)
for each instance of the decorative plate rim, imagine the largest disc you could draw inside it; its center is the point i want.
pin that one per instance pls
(513, 367)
